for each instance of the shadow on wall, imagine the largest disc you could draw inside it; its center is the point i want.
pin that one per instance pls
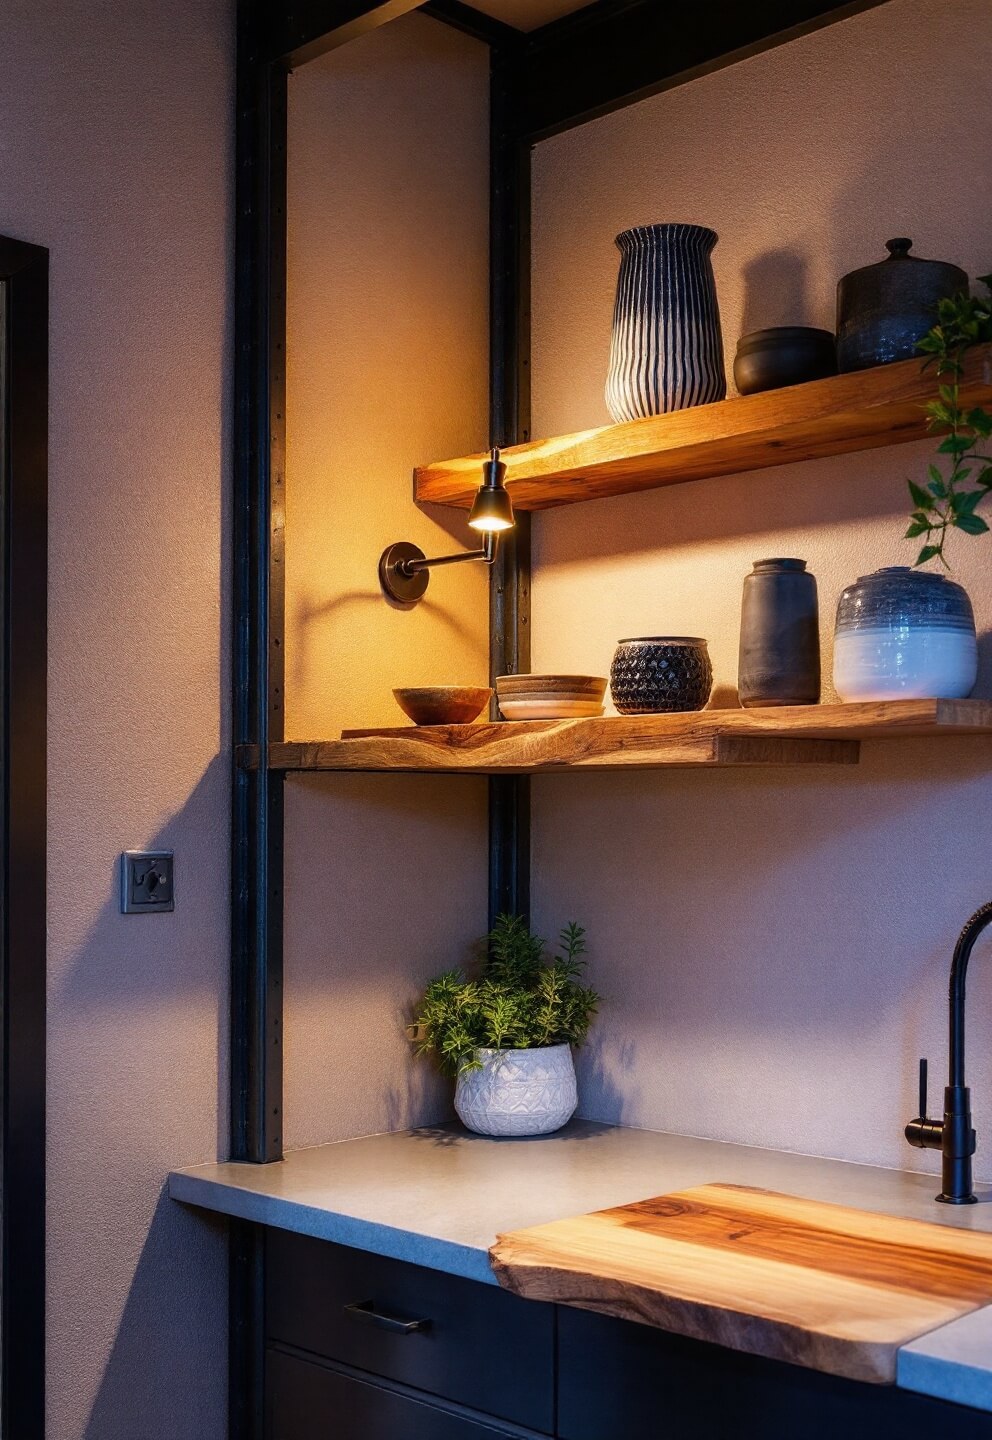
(983, 685)
(807, 496)
(607, 1074)
(775, 293)
(767, 1005)
(156, 1341)
(140, 1024)
(127, 962)
(312, 615)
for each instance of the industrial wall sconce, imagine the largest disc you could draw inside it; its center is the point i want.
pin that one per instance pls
(404, 569)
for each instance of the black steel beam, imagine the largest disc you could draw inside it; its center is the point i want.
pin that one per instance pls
(615, 52)
(24, 392)
(305, 29)
(509, 409)
(472, 22)
(259, 486)
(258, 683)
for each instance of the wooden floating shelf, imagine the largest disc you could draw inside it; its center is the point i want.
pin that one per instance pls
(865, 410)
(791, 735)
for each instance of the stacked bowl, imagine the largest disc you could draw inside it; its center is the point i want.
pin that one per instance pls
(550, 697)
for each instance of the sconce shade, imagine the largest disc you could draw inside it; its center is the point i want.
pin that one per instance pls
(491, 509)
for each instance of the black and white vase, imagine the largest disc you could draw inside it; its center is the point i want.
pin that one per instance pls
(667, 349)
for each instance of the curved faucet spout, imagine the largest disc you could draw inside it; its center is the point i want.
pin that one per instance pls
(956, 995)
(953, 1136)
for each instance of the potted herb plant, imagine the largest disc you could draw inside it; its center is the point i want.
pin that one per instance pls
(904, 632)
(506, 1034)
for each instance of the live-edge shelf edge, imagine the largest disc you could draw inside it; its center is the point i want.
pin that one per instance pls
(815, 734)
(860, 410)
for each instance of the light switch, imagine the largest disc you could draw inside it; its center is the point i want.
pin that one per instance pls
(146, 882)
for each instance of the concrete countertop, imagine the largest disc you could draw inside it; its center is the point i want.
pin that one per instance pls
(439, 1197)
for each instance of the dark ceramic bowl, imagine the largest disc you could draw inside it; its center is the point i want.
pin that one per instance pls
(660, 674)
(784, 355)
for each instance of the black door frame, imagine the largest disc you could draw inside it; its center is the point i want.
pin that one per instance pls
(24, 272)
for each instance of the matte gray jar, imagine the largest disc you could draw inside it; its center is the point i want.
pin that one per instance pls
(779, 662)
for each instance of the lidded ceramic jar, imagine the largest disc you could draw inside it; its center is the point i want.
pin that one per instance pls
(660, 674)
(884, 310)
(905, 634)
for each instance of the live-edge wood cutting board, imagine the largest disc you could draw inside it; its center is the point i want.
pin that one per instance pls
(819, 1285)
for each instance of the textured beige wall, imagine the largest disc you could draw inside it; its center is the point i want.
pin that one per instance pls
(116, 153)
(774, 948)
(387, 353)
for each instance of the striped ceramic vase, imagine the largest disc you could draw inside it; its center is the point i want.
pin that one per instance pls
(667, 350)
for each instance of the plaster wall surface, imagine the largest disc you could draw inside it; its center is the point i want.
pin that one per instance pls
(387, 365)
(773, 947)
(116, 153)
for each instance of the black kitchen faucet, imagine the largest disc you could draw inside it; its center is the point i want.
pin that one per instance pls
(953, 1136)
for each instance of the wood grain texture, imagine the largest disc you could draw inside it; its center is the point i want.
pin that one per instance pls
(488, 750)
(786, 735)
(819, 1285)
(862, 411)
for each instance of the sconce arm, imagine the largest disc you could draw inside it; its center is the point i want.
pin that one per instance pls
(486, 554)
(404, 569)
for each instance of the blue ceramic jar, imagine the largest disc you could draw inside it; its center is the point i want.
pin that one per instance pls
(904, 634)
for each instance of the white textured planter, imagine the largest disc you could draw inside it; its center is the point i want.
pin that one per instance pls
(518, 1092)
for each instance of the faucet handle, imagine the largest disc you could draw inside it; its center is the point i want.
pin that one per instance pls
(924, 1133)
(923, 1087)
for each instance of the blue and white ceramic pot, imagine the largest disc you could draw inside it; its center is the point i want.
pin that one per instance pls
(667, 349)
(904, 635)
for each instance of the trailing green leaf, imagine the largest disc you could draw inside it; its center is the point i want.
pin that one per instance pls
(946, 504)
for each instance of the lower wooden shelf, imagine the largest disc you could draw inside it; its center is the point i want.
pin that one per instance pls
(790, 735)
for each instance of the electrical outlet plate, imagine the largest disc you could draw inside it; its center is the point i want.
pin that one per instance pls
(146, 882)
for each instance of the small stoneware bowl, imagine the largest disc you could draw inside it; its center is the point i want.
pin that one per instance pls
(571, 685)
(550, 697)
(443, 704)
(784, 355)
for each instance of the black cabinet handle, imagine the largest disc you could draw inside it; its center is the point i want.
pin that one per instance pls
(365, 1311)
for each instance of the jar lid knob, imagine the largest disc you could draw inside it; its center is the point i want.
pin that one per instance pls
(898, 249)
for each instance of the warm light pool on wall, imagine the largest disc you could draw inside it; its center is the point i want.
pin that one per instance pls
(404, 569)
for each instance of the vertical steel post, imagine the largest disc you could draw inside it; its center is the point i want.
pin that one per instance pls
(23, 854)
(257, 811)
(509, 409)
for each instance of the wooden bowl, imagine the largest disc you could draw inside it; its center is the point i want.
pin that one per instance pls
(443, 704)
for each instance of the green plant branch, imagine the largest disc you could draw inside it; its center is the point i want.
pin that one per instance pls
(522, 998)
(949, 502)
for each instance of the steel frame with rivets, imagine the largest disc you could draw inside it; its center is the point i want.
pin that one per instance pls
(600, 58)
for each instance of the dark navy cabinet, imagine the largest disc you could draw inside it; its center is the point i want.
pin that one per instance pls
(363, 1348)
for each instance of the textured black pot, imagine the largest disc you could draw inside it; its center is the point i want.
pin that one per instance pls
(659, 674)
(779, 660)
(883, 310)
(784, 355)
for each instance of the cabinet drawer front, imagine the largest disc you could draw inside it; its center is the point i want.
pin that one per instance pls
(469, 1342)
(621, 1379)
(307, 1402)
